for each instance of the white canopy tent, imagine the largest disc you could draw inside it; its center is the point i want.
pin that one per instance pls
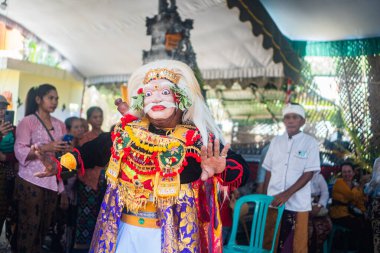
(326, 20)
(104, 39)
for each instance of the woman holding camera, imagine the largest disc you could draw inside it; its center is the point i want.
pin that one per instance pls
(7, 161)
(37, 197)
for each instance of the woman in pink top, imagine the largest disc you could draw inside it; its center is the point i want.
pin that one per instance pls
(37, 197)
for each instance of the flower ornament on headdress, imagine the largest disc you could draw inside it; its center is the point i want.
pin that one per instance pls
(138, 104)
(181, 97)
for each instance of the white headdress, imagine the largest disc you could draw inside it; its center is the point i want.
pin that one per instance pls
(291, 108)
(198, 113)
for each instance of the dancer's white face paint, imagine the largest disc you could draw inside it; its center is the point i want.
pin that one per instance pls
(159, 99)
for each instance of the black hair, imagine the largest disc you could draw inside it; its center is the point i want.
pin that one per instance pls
(347, 163)
(69, 122)
(91, 110)
(112, 128)
(40, 91)
(85, 121)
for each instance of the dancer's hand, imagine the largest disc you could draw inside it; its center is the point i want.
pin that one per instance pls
(213, 161)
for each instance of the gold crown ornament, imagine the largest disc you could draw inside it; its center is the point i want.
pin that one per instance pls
(162, 73)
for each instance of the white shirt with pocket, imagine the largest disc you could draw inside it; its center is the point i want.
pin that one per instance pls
(287, 159)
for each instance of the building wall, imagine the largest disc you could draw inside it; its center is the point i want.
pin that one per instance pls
(69, 92)
(18, 83)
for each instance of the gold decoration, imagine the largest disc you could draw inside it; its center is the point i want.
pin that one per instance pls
(152, 163)
(182, 236)
(166, 188)
(162, 73)
(150, 142)
(134, 198)
(113, 169)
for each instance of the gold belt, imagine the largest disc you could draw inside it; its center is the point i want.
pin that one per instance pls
(140, 221)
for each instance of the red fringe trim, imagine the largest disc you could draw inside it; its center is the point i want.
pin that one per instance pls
(59, 168)
(172, 174)
(135, 169)
(80, 161)
(232, 185)
(114, 155)
(127, 119)
(194, 155)
(114, 135)
(191, 137)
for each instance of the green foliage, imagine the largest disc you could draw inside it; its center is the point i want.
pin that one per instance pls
(37, 52)
(138, 102)
(184, 102)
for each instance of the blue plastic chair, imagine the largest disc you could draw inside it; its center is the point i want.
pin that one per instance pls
(259, 218)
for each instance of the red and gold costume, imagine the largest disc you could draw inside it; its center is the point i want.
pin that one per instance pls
(157, 171)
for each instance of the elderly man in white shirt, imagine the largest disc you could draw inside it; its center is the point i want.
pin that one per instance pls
(290, 163)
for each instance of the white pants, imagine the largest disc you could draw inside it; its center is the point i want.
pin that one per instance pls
(132, 239)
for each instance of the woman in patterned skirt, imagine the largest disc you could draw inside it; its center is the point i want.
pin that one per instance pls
(90, 188)
(37, 197)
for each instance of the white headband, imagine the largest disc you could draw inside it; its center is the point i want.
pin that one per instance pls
(296, 109)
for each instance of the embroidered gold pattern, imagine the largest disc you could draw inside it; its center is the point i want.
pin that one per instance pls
(150, 164)
(185, 236)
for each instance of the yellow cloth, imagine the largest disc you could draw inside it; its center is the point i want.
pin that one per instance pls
(269, 229)
(301, 233)
(342, 193)
(139, 221)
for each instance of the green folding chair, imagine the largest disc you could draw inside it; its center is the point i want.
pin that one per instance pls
(259, 218)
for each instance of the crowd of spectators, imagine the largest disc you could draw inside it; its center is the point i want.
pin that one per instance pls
(60, 215)
(46, 214)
